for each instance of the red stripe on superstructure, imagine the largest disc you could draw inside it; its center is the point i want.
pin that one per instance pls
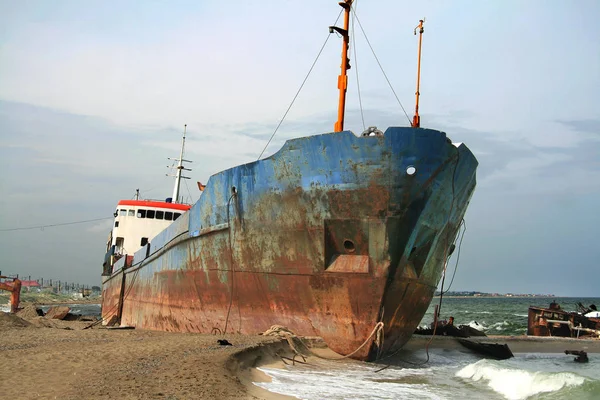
(30, 284)
(157, 204)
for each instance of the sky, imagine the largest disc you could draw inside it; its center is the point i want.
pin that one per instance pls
(94, 96)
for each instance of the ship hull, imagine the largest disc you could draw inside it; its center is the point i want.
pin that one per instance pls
(328, 237)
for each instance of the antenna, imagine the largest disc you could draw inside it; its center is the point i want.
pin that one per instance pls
(179, 168)
(417, 119)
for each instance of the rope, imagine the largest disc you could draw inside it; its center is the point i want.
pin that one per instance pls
(189, 193)
(380, 67)
(449, 216)
(298, 92)
(464, 225)
(362, 115)
(53, 225)
(113, 309)
(231, 265)
(283, 332)
(435, 317)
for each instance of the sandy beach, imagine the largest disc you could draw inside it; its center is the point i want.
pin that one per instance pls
(53, 359)
(56, 359)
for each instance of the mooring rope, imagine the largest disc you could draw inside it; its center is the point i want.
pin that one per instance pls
(283, 332)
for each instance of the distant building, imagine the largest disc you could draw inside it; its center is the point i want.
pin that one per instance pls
(30, 285)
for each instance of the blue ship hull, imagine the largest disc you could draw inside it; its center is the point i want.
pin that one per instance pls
(330, 236)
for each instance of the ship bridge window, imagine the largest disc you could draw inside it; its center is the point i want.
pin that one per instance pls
(119, 244)
(168, 215)
(122, 213)
(159, 214)
(131, 213)
(150, 214)
(141, 214)
(116, 224)
(176, 215)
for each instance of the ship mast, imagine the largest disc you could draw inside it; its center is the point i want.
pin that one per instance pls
(180, 168)
(416, 123)
(343, 78)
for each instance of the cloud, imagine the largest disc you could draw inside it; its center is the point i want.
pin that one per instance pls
(591, 126)
(102, 227)
(114, 90)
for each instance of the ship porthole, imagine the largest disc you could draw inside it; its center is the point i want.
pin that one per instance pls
(411, 170)
(349, 246)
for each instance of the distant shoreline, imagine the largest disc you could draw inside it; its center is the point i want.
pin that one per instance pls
(60, 303)
(505, 297)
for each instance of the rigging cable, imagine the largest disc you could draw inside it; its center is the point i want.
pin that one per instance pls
(449, 216)
(362, 115)
(464, 225)
(298, 92)
(186, 184)
(380, 67)
(113, 310)
(435, 317)
(231, 264)
(145, 191)
(53, 225)
(188, 189)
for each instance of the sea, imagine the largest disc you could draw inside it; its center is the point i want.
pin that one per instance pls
(91, 310)
(443, 373)
(453, 374)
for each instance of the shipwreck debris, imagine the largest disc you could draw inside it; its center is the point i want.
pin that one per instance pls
(581, 355)
(57, 312)
(490, 350)
(555, 321)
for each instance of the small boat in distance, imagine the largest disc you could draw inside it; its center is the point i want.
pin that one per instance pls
(335, 235)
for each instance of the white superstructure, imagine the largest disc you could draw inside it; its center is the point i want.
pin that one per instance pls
(138, 221)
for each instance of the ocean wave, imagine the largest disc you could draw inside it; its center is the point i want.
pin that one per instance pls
(351, 383)
(499, 326)
(518, 384)
(477, 325)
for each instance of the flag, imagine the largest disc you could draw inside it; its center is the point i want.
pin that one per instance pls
(201, 186)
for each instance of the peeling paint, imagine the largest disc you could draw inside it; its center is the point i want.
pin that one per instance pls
(328, 236)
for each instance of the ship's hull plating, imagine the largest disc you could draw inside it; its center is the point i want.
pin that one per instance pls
(328, 237)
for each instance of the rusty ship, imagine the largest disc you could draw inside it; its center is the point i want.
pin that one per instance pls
(336, 235)
(554, 321)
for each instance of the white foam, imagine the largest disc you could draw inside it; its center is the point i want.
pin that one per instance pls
(517, 384)
(351, 383)
(499, 326)
(477, 325)
(593, 314)
(5, 307)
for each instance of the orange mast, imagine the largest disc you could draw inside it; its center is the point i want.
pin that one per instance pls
(417, 119)
(343, 78)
